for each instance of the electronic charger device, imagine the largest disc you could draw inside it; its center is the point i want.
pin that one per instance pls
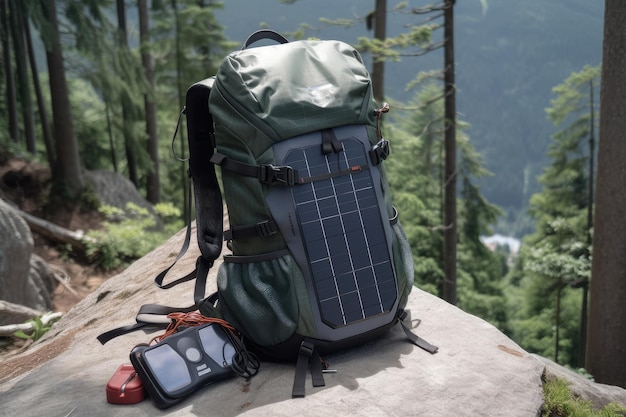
(187, 360)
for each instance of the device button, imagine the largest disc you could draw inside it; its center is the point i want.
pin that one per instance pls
(193, 354)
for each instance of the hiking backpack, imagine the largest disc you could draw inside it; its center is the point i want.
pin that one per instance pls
(319, 259)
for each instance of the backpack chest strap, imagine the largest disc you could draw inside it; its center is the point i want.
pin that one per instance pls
(266, 173)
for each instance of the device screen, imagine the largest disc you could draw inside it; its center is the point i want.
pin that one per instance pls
(217, 346)
(168, 368)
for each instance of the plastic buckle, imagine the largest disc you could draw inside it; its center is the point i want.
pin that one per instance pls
(271, 174)
(266, 228)
(307, 348)
(380, 151)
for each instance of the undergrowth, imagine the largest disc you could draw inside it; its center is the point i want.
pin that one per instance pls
(131, 233)
(560, 402)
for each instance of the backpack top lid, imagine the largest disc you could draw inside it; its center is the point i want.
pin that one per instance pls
(290, 89)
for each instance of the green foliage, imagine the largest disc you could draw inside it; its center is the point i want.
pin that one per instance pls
(572, 96)
(188, 39)
(38, 329)
(129, 234)
(557, 256)
(559, 402)
(167, 212)
(393, 48)
(416, 179)
(414, 176)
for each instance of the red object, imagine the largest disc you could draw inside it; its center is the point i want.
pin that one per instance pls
(125, 387)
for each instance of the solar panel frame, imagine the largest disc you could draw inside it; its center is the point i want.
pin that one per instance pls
(327, 222)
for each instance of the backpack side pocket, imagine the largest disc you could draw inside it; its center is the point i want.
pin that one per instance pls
(258, 295)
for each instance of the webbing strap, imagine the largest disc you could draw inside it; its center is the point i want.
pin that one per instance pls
(262, 229)
(330, 143)
(301, 369)
(158, 280)
(317, 370)
(307, 357)
(150, 316)
(154, 316)
(246, 259)
(415, 339)
(329, 175)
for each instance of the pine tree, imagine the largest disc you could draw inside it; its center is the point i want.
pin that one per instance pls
(415, 171)
(555, 258)
(153, 186)
(415, 177)
(68, 174)
(18, 29)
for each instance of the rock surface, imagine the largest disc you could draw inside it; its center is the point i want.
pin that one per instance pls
(599, 394)
(115, 190)
(24, 278)
(478, 371)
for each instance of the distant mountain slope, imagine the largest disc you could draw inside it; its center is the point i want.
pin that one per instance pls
(507, 63)
(508, 60)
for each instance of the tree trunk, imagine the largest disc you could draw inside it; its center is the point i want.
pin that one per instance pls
(606, 346)
(378, 70)
(26, 102)
(179, 64)
(450, 231)
(68, 168)
(14, 132)
(127, 122)
(153, 183)
(43, 113)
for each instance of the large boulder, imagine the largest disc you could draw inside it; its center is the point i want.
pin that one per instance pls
(115, 190)
(24, 277)
(581, 387)
(478, 371)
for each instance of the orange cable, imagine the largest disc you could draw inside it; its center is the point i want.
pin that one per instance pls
(193, 318)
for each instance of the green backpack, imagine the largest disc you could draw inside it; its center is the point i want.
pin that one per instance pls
(319, 259)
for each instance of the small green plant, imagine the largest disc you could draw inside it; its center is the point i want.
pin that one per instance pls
(167, 211)
(559, 402)
(38, 329)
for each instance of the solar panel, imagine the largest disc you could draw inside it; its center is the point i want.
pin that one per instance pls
(343, 233)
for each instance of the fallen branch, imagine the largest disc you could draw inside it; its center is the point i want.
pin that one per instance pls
(11, 312)
(46, 319)
(63, 279)
(77, 240)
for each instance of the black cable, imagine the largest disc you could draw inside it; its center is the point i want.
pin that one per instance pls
(244, 363)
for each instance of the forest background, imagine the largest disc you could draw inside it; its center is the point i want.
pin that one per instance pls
(527, 85)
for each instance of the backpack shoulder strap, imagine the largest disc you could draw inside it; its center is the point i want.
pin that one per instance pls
(209, 213)
(207, 194)
(206, 190)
